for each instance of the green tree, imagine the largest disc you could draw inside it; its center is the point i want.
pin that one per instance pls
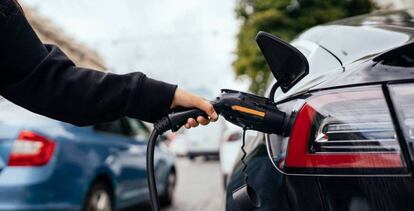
(285, 19)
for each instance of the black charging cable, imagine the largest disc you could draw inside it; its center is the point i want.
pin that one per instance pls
(246, 176)
(151, 172)
(159, 128)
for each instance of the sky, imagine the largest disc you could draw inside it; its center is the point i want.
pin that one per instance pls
(187, 42)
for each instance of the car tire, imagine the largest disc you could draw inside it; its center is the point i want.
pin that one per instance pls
(99, 198)
(166, 199)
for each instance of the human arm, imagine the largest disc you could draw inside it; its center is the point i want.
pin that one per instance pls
(43, 79)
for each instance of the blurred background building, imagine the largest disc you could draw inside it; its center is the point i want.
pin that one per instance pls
(50, 33)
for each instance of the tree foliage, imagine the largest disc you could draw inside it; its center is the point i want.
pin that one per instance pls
(285, 19)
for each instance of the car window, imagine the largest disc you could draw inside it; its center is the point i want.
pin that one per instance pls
(137, 128)
(115, 127)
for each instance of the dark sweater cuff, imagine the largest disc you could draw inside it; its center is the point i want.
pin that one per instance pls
(155, 97)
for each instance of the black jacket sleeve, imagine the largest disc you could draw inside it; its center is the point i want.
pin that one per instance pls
(41, 78)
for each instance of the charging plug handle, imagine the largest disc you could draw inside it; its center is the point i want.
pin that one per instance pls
(242, 109)
(178, 119)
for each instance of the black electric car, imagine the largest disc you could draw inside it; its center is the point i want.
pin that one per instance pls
(349, 131)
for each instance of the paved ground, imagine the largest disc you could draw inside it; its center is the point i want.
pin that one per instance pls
(199, 187)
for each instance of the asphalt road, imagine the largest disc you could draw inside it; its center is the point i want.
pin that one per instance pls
(199, 187)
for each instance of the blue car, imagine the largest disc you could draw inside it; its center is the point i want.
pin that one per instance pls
(51, 165)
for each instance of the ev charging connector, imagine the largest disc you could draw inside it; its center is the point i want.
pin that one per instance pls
(248, 111)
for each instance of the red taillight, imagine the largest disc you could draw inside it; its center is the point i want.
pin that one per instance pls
(234, 137)
(31, 149)
(344, 129)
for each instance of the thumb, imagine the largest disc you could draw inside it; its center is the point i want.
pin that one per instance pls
(205, 106)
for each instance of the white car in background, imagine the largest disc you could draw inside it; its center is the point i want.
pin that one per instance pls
(178, 143)
(230, 145)
(204, 140)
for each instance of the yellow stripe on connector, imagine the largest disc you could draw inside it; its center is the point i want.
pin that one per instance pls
(248, 110)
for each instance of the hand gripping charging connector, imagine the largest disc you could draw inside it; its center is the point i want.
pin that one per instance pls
(248, 111)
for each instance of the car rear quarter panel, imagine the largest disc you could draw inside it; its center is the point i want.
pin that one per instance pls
(277, 192)
(64, 181)
(29, 188)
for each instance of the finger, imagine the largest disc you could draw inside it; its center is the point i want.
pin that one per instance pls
(187, 126)
(202, 120)
(213, 120)
(192, 122)
(207, 107)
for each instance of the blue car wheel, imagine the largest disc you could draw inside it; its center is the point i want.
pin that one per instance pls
(167, 197)
(99, 198)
